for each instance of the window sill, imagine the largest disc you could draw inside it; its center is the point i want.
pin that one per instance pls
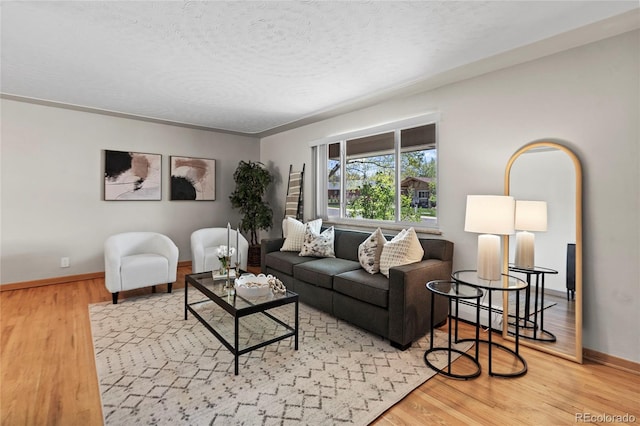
(361, 225)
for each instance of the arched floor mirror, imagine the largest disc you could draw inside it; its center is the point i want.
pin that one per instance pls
(551, 321)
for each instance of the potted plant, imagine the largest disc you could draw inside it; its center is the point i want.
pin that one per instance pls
(252, 180)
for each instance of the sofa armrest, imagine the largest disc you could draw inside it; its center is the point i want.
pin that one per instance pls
(267, 246)
(410, 301)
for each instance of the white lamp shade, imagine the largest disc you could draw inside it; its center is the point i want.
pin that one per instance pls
(531, 216)
(490, 214)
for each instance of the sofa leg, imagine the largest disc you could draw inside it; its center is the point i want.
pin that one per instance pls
(399, 346)
(169, 285)
(114, 297)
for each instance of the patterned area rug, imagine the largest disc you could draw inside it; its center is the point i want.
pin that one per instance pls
(156, 368)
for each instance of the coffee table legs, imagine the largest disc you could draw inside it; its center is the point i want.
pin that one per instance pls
(236, 354)
(297, 327)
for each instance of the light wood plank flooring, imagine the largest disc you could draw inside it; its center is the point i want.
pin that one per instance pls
(48, 376)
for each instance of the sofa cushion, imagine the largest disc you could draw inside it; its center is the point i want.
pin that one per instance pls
(347, 242)
(295, 233)
(317, 244)
(320, 272)
(361, 285)
(404, 248)
(284, 261)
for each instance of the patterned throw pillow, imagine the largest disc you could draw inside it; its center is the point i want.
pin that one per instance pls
(403, 249)
(370, 250)
(295, 233)
(317, 245)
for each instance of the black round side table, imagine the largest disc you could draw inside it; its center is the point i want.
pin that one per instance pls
(506, 283)
(453, 290)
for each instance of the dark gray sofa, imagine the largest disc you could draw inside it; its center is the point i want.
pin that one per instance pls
(397, 308)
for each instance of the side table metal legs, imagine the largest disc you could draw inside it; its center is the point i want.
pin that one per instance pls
(530, 328)
(491, 344)
(515, 353)
(507, 283)
(447, 371)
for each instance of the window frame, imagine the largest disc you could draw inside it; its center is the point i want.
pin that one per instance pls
(320, 175)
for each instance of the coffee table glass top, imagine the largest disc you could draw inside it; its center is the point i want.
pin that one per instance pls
(229, 296)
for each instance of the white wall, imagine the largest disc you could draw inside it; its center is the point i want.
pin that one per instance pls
(52, 177)
(586, 97)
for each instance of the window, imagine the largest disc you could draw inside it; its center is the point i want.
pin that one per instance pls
(384, 174)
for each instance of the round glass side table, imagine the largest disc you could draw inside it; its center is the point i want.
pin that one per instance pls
(506, 283)
(453, 290)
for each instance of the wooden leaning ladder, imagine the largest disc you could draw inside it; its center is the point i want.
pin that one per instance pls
(294, 206)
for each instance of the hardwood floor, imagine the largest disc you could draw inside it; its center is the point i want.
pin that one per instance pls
(559, 319)
(48, 376)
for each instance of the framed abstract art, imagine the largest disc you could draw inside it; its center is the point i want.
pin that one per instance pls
(132, 176)
(193, 179)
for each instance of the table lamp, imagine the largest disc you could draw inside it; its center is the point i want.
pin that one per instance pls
(490, 216)
(530, 216)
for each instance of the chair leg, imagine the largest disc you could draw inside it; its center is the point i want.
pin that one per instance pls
(114, 297)
(170, 285)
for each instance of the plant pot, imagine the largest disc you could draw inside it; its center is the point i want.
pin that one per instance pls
(254, 256)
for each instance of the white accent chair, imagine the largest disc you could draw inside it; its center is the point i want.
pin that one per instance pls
(139, 259)
(204, 247)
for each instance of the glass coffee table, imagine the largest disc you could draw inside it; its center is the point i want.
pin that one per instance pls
(241, 324)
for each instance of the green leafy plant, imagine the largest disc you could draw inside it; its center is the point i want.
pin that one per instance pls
(252, 180)
(375, 200)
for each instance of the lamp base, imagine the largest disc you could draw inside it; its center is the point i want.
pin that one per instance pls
(525, 243)
(489, 264)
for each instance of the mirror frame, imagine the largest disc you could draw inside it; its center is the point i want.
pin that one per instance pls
(577, 356)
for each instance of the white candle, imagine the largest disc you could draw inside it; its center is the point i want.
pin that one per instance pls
(228, 236)
(238, 245)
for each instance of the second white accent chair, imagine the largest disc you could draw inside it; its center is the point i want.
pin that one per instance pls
(204, 249)
(139, 259)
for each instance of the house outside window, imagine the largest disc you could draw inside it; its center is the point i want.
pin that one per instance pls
(386, 174)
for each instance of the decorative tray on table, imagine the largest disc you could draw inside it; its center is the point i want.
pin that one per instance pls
(218, 276)
(250, 285)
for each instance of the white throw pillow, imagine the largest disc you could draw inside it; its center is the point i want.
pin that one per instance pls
(317, 245)
(295, 233)
(370, 250)
(403, 249)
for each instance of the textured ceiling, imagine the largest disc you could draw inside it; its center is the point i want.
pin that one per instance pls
(254, 66)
